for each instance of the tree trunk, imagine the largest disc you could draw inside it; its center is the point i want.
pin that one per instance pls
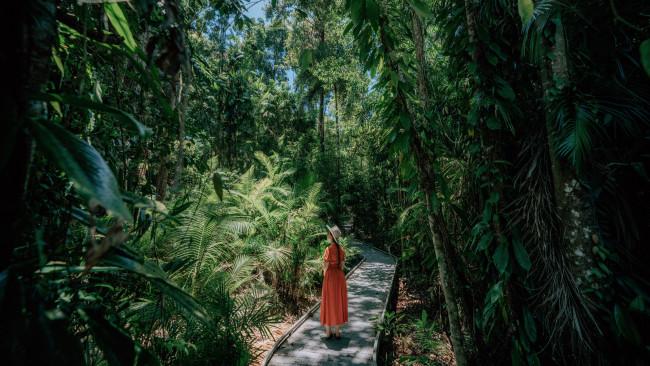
(418, 41)
(321, 100)
(161, 182)
(29, 36)
(576, 213)
(321, 120)
(568, 261)
(437, 226)
(425, 163)
(338, 142)
(180, 106)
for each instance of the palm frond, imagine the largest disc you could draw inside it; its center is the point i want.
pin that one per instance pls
(275, 256)
(239, 272)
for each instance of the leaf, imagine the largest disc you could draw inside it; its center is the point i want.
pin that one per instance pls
(507, 92)
(526, 8)
(501, 257)
(521, 255)
(57, 108)
(640, 170)
(57, 61)
(306, 58)
(529, 326)
(485, 241)
(116, 344)
(420, 8)
(533, 360)
(303, 14)
(625, 326)
(492, 59)
(157, 278)
(638, 304)
(355, 11)
(121, 25)
(49, 332)
(473, 116)
(129, 121)
(218, 185)
(404, 121)
(85, 167)
(494, 198)
(177, 210)
(515, 354)
(493, 123)
(645, 55)
(372, 11)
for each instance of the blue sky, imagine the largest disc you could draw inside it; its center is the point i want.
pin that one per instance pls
(256, 8)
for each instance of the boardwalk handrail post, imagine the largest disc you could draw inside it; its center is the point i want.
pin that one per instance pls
(375, 347)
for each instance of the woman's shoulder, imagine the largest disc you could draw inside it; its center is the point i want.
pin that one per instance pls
(332, 247)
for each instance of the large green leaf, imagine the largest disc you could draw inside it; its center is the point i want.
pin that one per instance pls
(121, 25)
(506, 91)
(127, 119)
(85, 167)
(638, 304)
(493, 123)
(306, 58)
(372, 11)
(645, 55)
(521, 255)
(529, 326)
(355, 10)
(116, 344)
(420, 8)
(501, 257)
(485, 241)
(526, 8)
(625, 326)
(159, 279)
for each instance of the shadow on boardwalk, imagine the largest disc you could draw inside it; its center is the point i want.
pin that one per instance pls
(368, 289)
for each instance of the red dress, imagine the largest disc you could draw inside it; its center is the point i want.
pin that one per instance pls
(334, 305)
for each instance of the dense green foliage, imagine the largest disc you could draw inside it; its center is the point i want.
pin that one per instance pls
(171, 166)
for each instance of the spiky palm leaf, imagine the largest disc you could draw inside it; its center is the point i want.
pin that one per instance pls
(275, 256)
(202, 240)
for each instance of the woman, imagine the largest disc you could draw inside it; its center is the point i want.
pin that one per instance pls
(334, 305)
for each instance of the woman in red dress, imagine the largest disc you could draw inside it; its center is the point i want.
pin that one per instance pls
(334, 303)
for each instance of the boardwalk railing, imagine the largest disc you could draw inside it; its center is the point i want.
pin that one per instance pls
(389, 298)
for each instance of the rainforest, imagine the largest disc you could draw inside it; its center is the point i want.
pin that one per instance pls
(172, 167)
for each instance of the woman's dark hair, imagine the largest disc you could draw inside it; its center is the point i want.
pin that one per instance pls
(338, 253)
(338, 248)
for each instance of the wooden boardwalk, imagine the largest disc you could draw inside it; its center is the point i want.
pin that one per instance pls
(368, 290)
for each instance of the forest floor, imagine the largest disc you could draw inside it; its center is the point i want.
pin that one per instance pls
(413, 345)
